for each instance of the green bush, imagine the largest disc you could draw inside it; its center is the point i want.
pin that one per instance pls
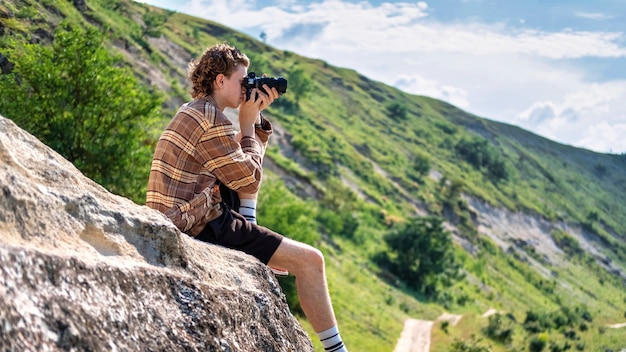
(420, 166)
(561, 319)
(423, 255)
(567, 243)
(300, 84)
(538, 343)
(499, 330)
(154, 21)
(79, 99)
(281, 211)
(396, 110)
(444, 326)
(473, 345)
(482, 156)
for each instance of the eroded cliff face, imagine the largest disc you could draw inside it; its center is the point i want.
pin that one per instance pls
(83, 269)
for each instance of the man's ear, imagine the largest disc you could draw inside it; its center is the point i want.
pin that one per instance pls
(219, 80)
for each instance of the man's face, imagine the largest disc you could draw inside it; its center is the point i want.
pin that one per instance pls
(234, 92)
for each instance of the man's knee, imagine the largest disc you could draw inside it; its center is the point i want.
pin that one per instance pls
(298, 257)
(309, 258)
(315, 258)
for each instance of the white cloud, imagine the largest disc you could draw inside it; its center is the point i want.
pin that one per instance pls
(593, 117)
(432, 88)
(489, 69)
(398, 27)
(605, 137)
(598, 16)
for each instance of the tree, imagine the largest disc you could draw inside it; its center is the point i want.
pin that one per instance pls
(424, 255)
(154, 21)
(300, 84)
(499, 330)
(482, 156)
(397, 110)
(79, 100)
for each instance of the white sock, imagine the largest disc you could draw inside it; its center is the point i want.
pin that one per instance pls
(332, 340)
(247, 208)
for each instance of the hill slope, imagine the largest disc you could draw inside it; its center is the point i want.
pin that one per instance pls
(531, 216)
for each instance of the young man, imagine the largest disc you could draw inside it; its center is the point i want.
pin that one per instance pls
(199, 150)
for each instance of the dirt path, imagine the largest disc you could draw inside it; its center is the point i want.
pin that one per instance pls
(489, 313)
(416, 333)
(415, 336)
(453, 319)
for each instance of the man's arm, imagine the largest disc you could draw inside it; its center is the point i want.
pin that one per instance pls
(236, 164)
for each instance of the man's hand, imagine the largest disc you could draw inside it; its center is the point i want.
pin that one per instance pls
(267, 99)
(250, 110)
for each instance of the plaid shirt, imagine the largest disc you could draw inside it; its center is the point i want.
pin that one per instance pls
(196, 149)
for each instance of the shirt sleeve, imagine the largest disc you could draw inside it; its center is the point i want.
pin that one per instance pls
(238, 165)
(264, 130)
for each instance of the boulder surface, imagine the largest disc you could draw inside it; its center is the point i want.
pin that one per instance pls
(82, 269)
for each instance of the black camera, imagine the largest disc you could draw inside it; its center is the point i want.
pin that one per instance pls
(252, 81)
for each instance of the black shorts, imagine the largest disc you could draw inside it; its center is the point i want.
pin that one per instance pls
(231, 230)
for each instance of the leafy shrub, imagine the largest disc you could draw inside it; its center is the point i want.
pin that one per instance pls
(478, 153)
(570, 334)
(538, 343)
(78, 99)
(560, 319)
(555, 347)
(281, 211)
(154, 21)
(396, 110)
(341, 223)
(424, 255)
(473, 345)
(498, 330)
(300, 84)
(567, 243)
(536, 322)
(444, 326)
(420, 166)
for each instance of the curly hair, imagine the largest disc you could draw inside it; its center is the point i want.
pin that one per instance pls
(219, 58)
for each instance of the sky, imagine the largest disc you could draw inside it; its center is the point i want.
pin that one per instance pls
(554, 67)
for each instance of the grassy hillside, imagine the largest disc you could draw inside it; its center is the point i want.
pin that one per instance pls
(356, 147)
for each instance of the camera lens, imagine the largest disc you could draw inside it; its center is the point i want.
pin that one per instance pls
(281, 85)
(252, 81)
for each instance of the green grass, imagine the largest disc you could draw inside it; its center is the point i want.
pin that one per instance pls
(376, 322)
(344, 131)
(508, 290)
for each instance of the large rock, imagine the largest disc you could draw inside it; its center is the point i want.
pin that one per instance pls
(83, 269)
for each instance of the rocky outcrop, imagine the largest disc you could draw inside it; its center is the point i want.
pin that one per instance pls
(83, 269)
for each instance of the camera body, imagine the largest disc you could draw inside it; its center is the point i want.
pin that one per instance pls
(252, 81)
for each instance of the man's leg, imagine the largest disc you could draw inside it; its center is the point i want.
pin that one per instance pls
(307, 264)
(247, 206)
